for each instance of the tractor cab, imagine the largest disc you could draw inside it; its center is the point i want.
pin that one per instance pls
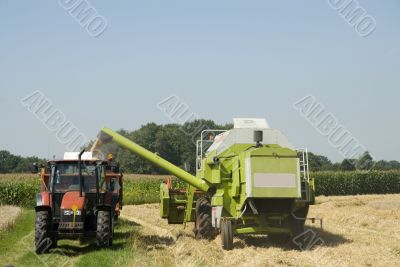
(80, 197)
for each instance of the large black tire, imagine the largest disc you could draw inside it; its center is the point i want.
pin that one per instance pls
(204, 228)
(43, 240)
(54, 242)
(104, 229)
(299, 236)
(279, 238)
(226, 234)
(297, 226)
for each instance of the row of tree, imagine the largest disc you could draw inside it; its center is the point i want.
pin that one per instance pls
(365, 162)
(177, 144)
(174, 142)
(13, 163)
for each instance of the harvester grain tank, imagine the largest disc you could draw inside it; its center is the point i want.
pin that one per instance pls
(249, 180)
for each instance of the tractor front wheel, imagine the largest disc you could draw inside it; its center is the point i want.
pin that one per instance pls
(204, 228)
(104, 231)
(43, 240)
(226, 234)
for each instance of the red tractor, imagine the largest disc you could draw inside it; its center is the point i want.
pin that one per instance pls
(80, 197)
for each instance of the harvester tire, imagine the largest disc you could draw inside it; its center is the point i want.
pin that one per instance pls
(43, 240)
(204, 228)
(104, 231)
(279, 238)
(297, 226)
(226, 234)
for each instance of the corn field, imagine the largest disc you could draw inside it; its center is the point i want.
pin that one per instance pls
(20, 189)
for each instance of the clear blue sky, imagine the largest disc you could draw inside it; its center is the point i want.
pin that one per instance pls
(224, 59)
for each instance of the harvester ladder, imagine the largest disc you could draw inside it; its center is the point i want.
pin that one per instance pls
(304, 174)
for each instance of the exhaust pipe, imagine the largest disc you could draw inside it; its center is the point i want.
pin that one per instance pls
(80, 172)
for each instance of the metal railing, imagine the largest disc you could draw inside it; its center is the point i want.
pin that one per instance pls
(304, 174)
(200, 144)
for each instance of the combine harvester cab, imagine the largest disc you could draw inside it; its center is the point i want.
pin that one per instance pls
(249, 180)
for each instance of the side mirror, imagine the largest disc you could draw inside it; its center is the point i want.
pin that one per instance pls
(34, 168)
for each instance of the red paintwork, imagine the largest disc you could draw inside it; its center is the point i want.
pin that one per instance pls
(45, 198)
(107, 198)
(73, 198)
(169, 183)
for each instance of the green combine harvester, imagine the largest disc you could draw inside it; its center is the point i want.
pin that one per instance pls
(249, 180)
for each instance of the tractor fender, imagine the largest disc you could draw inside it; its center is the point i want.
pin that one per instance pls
(103, 207)
(42, 199)
(43, 208)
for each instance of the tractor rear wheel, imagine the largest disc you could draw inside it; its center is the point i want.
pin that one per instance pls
(43, 240)
(204, 228)
(226, 234)
(54, 242)
(104, 231)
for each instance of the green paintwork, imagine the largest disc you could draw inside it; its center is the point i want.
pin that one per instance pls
(274, 159)
(155, 159)
(225, 178)
(262, 230)
(189, 214)
(164, 201)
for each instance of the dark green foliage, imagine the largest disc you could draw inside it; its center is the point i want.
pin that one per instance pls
(174, 142)
(146, 190)
(19, 193)
(136, 191)
(318, 162)
(10, 163)
(357, 183)
(141, 191)
(383, 165)
(177, 144)
(348, 165)
(365, 162)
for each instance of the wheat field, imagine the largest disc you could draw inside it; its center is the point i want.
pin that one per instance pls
(357, 231)
(9, 215)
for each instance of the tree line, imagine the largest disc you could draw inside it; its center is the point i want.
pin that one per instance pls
(10, 163)
(365, 162)
(177, 144)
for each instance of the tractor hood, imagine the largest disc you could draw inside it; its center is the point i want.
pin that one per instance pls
(71, 200)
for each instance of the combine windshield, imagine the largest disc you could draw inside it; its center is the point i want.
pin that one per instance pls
(65, 177)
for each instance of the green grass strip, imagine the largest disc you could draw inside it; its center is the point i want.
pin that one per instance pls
(17, 247)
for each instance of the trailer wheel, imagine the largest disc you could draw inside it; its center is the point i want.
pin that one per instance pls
(104, 231)
(43, 240)
(226, 234)
(204, 228)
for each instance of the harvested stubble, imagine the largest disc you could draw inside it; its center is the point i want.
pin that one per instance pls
(8, 216)
(358, 231)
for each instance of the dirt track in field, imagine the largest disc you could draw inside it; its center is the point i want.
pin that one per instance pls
(8, 215)
(358, 231)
